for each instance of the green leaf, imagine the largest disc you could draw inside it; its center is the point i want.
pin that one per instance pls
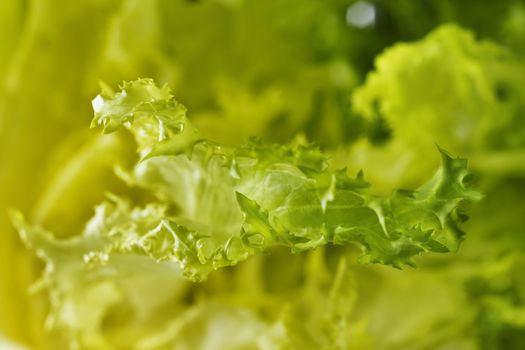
(229, 203)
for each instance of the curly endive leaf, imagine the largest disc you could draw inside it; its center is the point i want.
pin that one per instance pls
(217, 205)
(229, 203)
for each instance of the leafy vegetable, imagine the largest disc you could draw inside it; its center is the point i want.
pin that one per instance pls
(301, 205)
(233, 195)
(234, 202)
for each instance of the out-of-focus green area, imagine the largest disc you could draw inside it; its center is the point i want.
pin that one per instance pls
(377, 84)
